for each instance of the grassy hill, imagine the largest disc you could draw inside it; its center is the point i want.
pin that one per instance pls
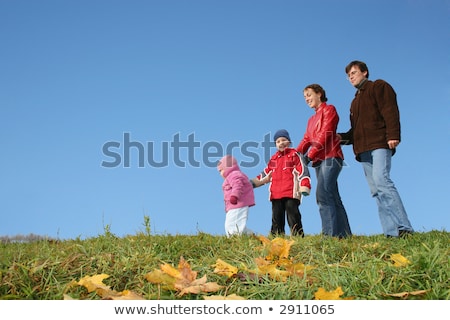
(361, 267)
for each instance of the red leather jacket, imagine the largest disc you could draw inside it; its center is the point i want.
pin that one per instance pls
(320, 141)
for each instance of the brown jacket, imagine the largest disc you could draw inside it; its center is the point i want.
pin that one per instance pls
(374, 118)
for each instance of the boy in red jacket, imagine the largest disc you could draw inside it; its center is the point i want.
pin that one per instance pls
(289, 181)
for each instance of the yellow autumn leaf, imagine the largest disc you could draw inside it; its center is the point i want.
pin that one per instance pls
(224, 269)
(399, 260)
(273, 272)
(159, 277)
(95, 283)
(278, 248)
(171, 271)
(230, 297)
(92, 283)
(322, 294)
(183, 279)
(290, 268)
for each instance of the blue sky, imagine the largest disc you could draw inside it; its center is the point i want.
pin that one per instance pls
(86, 85)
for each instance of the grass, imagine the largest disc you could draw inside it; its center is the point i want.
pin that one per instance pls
(360, 265)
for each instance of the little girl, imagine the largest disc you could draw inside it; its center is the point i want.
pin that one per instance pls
(238, 196)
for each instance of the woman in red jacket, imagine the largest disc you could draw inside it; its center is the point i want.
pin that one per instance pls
(321, 146)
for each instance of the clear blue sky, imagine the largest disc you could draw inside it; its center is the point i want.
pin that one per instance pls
(78, 79)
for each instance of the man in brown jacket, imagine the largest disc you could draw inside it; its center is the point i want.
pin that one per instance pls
(375, 133)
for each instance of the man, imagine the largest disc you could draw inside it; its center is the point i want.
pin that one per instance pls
(375, 133)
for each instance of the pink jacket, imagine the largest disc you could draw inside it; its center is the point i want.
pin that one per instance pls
(236, 183)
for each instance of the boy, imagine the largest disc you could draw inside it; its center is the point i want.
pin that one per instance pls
(289, 180)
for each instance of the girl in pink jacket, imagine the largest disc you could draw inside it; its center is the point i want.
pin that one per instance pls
(238, 196)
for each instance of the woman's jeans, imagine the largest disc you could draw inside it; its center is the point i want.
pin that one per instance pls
(377, 167)
(332, 211)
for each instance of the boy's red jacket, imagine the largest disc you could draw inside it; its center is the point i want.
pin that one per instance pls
(290, 176)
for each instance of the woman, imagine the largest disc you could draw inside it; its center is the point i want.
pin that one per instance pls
(321, 146)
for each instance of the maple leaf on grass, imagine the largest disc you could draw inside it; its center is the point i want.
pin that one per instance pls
(225, 269)
(399, 260)
(289, 268)
(95, 283)
(159, 277)
(182, 279)
(274, 273)
(322, 294)
(277, 248)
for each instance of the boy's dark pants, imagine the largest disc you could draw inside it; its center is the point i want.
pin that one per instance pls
(288, 206)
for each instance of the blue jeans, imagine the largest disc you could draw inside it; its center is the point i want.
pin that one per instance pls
(332, 211)
(377, 167)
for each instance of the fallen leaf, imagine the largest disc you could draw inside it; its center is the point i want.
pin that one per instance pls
(405, 294)
(197, 288)
(159, 277)
(224, 269)
(399, 260)
(279, 248)
(182, 279)
(92, 283)
(322, 294)
(95, 283)
(273, 272)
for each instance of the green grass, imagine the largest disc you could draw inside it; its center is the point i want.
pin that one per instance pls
(360, 265)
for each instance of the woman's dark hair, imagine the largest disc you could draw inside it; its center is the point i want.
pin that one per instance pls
(318, 89)
(361, 65)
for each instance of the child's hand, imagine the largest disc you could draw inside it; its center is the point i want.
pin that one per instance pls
(267, 178)
(233, 200)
